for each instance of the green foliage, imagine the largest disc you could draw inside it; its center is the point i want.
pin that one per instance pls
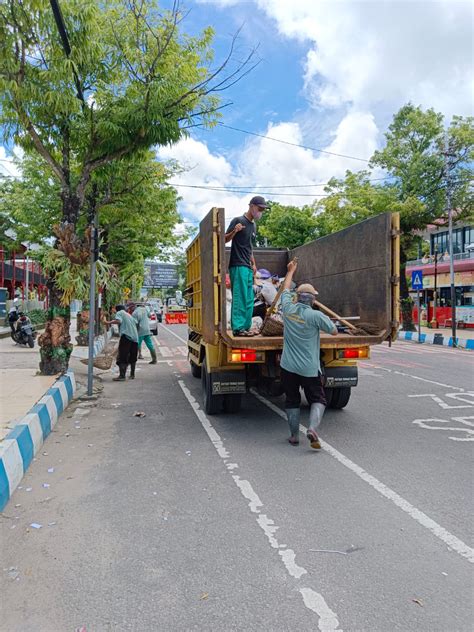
(72, 278)
(38, 316)
(287, 226)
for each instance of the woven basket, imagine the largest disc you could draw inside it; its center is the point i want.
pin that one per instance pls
(272, 326)
(103, 361)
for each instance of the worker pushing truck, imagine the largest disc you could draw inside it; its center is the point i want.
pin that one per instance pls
(356, 272)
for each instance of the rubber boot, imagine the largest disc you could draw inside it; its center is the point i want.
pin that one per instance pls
(315, 416)
(132, 371)
(153, 356)
(293, 416)
(140, 357)
(122, 371)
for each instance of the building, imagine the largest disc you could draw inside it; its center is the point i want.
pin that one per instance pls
(436, 273)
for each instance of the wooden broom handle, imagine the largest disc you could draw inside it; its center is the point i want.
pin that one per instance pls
(328, 311)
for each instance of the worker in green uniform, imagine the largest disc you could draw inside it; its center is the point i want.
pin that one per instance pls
(128, 343)
(242, 267)
(300, 365)
(140, 314)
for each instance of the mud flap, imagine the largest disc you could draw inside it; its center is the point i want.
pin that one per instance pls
(340, 376)
(228, 382)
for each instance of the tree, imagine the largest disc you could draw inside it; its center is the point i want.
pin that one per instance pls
(121, 79)
(287, 226)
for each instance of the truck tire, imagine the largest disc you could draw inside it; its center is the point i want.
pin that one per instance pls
(339, 397)
(195, 369)
(212, 403)
(31, 342)
(232, 403)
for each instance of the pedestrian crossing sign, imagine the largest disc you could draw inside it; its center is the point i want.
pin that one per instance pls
(417, 280)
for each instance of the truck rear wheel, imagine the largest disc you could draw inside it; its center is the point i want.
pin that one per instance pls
(212, 403)
(232, 403)
(339, 397)
(195, 369)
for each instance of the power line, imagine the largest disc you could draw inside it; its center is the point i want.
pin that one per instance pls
(229, 190)
(286, 142)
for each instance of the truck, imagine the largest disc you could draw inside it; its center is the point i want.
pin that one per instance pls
(356, 272)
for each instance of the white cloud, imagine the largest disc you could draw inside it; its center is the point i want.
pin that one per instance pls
(373, 54)
(263, 165)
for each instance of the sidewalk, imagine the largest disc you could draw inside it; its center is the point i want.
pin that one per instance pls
(464, 337)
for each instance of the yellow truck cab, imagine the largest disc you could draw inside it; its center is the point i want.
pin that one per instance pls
(356, 272)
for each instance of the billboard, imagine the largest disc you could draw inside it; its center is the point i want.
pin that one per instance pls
(160, 275)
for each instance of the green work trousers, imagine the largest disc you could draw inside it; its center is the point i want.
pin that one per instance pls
(148, 341)
(241, 280)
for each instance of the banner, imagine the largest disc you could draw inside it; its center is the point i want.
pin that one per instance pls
(160, 275)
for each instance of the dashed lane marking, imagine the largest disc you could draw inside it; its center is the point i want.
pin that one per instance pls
(314, 601)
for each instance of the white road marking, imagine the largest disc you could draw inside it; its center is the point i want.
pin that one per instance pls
(457, 396)
(415, 377)
(440, 532)
(165, 352)
(167, 329)
(313, 600)
(423, 423)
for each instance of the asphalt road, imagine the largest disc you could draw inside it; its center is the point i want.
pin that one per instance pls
(178, 521)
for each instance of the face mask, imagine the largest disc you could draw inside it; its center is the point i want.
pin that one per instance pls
(256, 214)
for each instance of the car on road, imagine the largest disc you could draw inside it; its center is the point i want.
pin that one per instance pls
(157, 305)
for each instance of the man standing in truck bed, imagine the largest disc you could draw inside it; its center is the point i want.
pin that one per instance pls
(242, 265)
(300, 365)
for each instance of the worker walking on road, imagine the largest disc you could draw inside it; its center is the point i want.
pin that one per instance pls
(140, 314)
(242, 267)
(128, 343)
(300, 365)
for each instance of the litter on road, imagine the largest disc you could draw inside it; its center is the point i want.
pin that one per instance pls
(35, 525)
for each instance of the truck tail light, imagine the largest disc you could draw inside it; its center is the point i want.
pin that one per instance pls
(357, 352)
(152, 316)
(246, 355)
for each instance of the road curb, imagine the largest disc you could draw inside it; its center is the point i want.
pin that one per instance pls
(436, 339)
(28, 434)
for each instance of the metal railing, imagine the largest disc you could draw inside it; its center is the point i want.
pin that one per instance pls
(426, 260)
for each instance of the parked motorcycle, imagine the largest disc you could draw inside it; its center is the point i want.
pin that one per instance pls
(24, 333)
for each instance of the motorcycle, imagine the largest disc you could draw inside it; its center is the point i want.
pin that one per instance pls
(24, 333)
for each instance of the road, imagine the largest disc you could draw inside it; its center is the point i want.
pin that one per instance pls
(178, 521)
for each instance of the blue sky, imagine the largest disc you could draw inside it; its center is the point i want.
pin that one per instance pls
(331, 76)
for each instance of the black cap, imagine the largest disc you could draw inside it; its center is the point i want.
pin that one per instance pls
(258, 200)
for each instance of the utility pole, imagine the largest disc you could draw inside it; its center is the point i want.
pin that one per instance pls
(93, 258)
(447, 156)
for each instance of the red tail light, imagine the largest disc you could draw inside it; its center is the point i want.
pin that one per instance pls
(152, 316)
(357, 352)
(246, 355)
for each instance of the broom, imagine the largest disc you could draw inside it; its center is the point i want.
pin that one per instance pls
(363, 329)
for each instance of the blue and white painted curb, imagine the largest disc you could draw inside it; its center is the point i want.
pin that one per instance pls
(101, 341)
(26, 438)
(436, 339)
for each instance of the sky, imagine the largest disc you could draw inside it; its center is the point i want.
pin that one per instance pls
(331, 74)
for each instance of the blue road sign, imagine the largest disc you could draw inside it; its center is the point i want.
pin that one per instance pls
(417, 280)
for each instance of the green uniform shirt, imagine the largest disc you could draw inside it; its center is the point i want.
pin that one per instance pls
(128, 326)
(141, 317)
(301, 344)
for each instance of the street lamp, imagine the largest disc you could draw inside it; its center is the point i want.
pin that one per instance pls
(434, 322)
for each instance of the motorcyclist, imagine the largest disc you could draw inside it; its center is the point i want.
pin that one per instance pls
(13, 317)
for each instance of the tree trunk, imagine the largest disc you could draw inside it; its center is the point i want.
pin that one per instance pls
(55, 341)
(406, 302)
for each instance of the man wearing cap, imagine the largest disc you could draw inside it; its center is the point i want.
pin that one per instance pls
(300, 366)
(242, 267)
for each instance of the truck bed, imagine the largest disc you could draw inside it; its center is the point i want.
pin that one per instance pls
(273, 343)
